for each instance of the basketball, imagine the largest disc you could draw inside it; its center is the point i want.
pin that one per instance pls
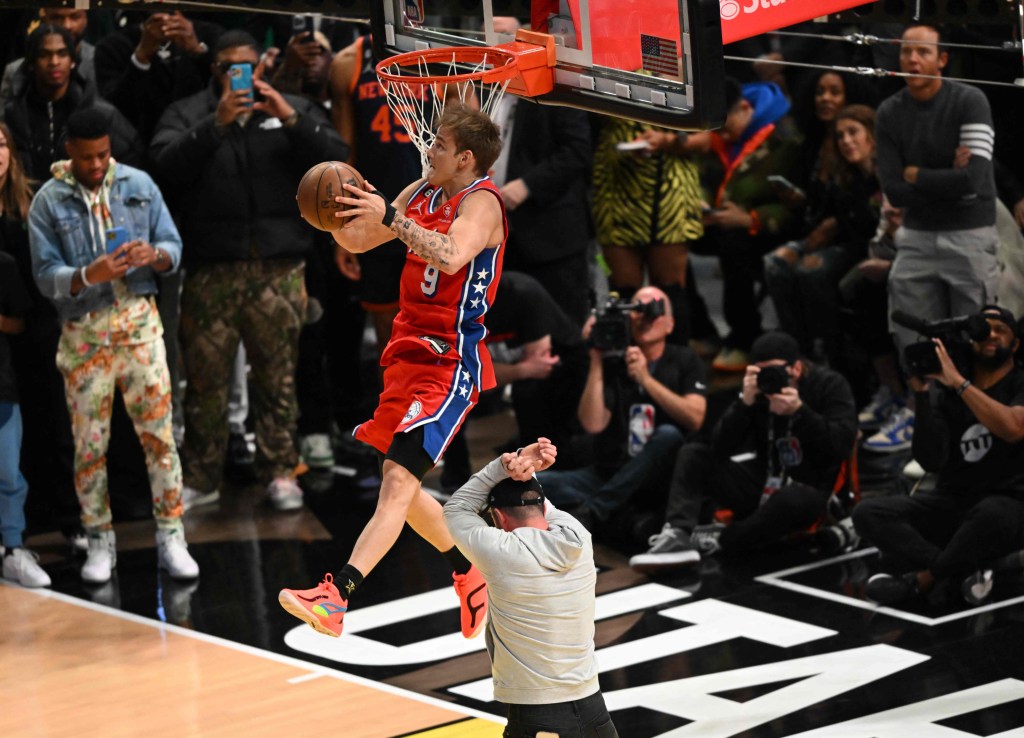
(317, 190)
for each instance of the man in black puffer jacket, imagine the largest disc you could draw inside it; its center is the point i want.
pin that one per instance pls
(235, 165)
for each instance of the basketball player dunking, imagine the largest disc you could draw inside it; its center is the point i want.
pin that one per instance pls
(436, 364)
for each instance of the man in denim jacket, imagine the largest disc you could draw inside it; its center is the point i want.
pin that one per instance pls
(98, 231)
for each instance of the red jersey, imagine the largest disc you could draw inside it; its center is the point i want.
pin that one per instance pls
(446, 311)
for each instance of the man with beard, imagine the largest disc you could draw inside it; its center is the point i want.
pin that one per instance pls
(970, 434)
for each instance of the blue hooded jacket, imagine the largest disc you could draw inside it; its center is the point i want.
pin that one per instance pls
(770, 105)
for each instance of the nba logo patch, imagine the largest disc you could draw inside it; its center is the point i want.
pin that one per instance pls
(414, 409)
(447, 211)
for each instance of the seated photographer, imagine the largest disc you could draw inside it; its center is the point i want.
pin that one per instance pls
(642, 396)
(773, 460)
(970, 434)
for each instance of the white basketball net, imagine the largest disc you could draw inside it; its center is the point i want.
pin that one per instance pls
(419, 102)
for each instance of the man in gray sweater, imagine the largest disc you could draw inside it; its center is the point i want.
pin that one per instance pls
(539, 565)
(946, 250)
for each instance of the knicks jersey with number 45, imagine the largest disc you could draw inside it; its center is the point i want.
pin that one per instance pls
(445, 312)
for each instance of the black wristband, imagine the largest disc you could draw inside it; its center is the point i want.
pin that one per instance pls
(389, 210)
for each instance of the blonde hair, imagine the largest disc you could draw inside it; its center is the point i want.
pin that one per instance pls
(15, 190)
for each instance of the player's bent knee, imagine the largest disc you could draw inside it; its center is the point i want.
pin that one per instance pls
(407, 451)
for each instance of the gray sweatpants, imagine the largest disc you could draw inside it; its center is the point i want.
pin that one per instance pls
(942, 274)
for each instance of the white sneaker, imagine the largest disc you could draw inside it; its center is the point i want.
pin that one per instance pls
(191, 497)
(316, 451)
(102, 557)
(22, 566)
(172, 554)
(913, 470)
(896, 435)
(285, 493)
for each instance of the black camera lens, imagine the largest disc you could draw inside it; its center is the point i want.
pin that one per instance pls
(771, 380)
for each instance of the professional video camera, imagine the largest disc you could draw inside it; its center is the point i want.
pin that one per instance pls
(612, 332)
(921, 358)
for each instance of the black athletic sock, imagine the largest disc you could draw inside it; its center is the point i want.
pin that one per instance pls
(347, 580)
(459, 563)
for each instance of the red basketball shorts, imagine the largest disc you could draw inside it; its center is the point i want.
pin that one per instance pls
(436, 396)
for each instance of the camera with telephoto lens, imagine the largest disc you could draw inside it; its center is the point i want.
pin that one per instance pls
(772, 379)
(956, 334)
(612, 332)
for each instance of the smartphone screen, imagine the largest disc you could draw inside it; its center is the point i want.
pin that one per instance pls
(302, 24)
(240, 76)
(115, 238)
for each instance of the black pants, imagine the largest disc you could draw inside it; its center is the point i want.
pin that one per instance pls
(701, 482)
(948, 534)
(585, 718)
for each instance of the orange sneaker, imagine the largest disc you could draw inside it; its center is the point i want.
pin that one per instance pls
(472, 591)
(322, 607)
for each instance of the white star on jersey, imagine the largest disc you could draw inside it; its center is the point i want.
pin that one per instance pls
(474, 303)
(463, 391)
(465, 376)
(480, 287)
(482, 274)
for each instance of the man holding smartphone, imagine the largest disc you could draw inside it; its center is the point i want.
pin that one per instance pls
(111, 333)
(235, 161)
(773, 459)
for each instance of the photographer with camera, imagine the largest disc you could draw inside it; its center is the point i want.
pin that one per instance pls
(773, 459)
(970, 434)
(642, 396)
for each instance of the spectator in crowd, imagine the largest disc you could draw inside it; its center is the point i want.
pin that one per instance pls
(946, 249)
(245, 260)
(75, 21)
(305, 68)
(814, 112)
(802, 276)
(640, 401)
(152, 60)
(47, 445)
(773, 459)
(746, 216)
(543, 173)
(112, 336)
(539, 565)
(19, 564)
(969, 433)
(50, 91)
(646, 210)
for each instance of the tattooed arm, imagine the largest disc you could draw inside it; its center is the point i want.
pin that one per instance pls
(477, 225)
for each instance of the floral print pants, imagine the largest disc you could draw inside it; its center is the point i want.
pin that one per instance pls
(91, 373)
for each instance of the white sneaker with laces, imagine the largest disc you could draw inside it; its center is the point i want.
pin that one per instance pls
(285, 493)
(896, 435)
(102, 557)
(191, 497)
(669, 548)
(316, 451)
(172, 554)
(22, 566)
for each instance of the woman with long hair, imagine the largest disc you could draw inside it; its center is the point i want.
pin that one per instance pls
(803, 276)
(19, 564)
